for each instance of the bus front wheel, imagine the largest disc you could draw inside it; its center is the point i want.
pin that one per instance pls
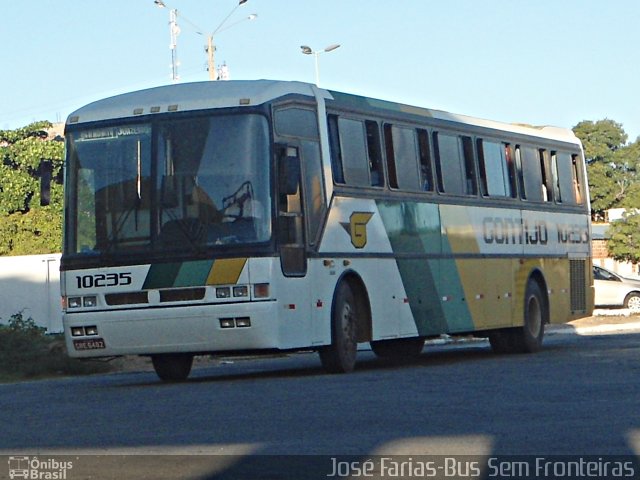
(172, 367)
(340, 356)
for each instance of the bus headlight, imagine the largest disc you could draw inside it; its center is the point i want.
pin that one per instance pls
(223, 292)
(77, 331)
(243, 322)
(91, 301)
(74, 302)
(241, 291)
(93, 330)
(227, 323)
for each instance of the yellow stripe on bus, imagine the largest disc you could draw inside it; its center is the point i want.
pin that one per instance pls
(226, 271)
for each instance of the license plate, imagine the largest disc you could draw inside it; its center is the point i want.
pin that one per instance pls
(93, 344)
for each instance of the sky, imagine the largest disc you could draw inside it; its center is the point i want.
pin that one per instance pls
(541, 62)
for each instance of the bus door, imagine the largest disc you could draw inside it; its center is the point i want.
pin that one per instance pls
(302, 209)
(295, 294)
(301, 201)
(293, 256)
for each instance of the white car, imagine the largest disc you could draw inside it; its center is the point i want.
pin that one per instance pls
(613, 290)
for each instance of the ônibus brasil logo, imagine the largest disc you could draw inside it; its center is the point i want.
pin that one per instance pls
(37, 469)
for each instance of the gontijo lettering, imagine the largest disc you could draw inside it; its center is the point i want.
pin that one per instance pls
(516, 231)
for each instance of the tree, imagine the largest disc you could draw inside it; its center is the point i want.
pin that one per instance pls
(612, 166)
(600, 139)
(27, 227)
(624, 241)
(630, 155)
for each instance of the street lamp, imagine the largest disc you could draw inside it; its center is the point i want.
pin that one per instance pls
(309, 51)
(210, 48)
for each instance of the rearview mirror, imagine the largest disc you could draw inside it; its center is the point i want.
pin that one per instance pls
(289, 175)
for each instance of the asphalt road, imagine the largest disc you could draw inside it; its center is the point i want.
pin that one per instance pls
(579, 396)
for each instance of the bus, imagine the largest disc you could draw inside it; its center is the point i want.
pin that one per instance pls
(248, 217)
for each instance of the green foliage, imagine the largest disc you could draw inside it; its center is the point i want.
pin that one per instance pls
(630, 156)
(624, 241)
(601, 187)
(27, 228)
(612, 165)
(38, 231)
(36, 129)
(600, 139)
(26, 352)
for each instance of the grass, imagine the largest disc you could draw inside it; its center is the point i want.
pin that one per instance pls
(26, 352)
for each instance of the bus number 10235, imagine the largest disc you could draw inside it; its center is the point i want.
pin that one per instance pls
(103, 280)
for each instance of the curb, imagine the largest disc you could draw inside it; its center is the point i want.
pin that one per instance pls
(594, 329)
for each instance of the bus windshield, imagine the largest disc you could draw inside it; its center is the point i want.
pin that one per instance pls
(185, 185)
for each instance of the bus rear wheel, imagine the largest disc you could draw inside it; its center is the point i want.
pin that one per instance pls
(172, 367)
(340, 356)
(398, 348)
(535, 316)
(528, 338)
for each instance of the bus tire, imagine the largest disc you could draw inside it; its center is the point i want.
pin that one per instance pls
(340, 356)
(398, 348)
(535, 316)
(172, 367)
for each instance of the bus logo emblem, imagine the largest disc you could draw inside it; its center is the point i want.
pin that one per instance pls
(357, 228)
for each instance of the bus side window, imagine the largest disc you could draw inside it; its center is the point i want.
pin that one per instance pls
(334, 147)
(531, 173)
(402, 157)
(438, 161)
(426, 171)
(578, 181)
(495, 175)
(449, 164)
(374, 151)
(353, 152)
(520, 173)
(469, 166)
(555, 172)
(391, 158)
(511, 167)
(454, 164)
(546, 187)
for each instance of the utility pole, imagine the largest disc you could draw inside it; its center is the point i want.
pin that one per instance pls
(213, 73)
(174, 31)
(210, 48)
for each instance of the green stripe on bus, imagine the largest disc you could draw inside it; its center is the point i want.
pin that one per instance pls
(193, 274)
(419, 284)
(161, 275)
(434, 287)
(456, 307)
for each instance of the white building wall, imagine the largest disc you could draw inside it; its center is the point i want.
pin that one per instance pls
(31, 284)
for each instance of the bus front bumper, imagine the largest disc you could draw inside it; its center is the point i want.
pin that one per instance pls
(194, 328)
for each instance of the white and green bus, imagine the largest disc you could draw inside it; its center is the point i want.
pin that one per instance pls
(261, 216)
